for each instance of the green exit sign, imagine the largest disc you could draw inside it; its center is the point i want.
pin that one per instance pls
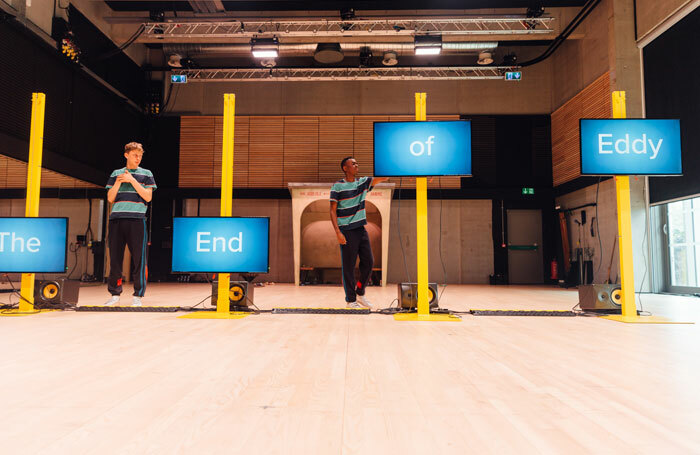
(528, 191)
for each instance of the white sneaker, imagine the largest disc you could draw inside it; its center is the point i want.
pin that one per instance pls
(136, 301)
(112, 301)
(353, 305)
(364, 302)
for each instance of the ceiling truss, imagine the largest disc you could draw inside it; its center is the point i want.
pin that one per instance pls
(179, 31)
(343, 74)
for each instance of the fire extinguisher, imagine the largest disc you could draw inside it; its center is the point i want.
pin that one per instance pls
(554, 270)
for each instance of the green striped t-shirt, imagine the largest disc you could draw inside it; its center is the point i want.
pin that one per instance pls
(128, 203)
(350, 197)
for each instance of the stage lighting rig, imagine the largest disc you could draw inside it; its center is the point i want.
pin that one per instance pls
(365, 57)
(69, 48)
(533, 12)
(510, 59)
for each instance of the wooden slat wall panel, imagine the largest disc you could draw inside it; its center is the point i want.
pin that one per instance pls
(335, 142)
(300, 149)
(13, 175)
(197, 138)
(287, 149)
(444, 182)
(241, 154)
(593, 101)
(266, 152)
(240, 151)
(363, 141)
(405, 182)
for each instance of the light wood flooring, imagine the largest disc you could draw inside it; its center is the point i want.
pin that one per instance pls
(103, 383)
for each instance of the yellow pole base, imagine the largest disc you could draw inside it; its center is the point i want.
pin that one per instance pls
(430, 317)
(642, 319)
(21, 312)
(215, 315)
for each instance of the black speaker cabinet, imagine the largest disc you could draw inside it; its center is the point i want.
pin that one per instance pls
(408, 295)
(604, 298)
(55, 293)
(240, 294)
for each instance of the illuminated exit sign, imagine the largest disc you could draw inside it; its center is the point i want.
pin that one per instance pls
(514, 75)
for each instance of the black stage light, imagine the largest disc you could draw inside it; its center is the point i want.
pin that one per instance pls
(510, 59)
(365, 56)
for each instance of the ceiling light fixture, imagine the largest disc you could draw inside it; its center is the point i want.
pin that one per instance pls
(428, 44)
(485, 58)
(264, 47)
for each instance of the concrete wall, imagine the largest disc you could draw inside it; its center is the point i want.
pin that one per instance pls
(651, 13)
(95, 11)
(579, 62)
(467, 243)
(607, 221)
(280, 213)
(77, 212)
(529, 96)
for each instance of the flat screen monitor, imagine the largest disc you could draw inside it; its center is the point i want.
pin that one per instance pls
(630, 147)
(422, 149)
(33, 245)
(221, 245)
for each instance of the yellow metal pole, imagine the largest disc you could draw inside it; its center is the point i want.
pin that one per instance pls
(624, 233)
(422, 223)
(36, 143)
(222, 301)
(423, 303)
(624, 223)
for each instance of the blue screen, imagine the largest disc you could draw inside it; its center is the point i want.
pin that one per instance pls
(221, 245)
(403, 149)
(33, 245)
(630, 147)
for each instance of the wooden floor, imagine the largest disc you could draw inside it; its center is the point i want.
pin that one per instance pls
(106, 383)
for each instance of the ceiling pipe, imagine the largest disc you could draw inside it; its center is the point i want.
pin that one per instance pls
(199, 50)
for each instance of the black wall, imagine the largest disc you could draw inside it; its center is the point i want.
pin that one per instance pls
(86, 125)
(672, 90)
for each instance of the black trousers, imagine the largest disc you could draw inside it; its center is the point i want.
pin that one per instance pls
(131, 232)
(357, 245)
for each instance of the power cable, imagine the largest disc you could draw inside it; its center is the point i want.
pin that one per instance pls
(582, 14)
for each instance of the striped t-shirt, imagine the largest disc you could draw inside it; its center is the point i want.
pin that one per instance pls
(350, 197)
(128, 203)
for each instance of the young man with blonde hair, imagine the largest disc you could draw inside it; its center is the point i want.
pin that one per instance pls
(130, 189)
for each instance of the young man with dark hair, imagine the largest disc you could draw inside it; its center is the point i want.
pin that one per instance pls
(349, 220)
(130, 189)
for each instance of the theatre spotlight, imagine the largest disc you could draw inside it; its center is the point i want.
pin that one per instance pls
(328, 53)
(510, 59)
(175, 60)
(485, 58)
(264, 47)
(365, 56)
(428, 44)
(390, 58)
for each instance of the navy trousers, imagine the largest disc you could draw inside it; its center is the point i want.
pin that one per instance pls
(132, 232)
(357, 245)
